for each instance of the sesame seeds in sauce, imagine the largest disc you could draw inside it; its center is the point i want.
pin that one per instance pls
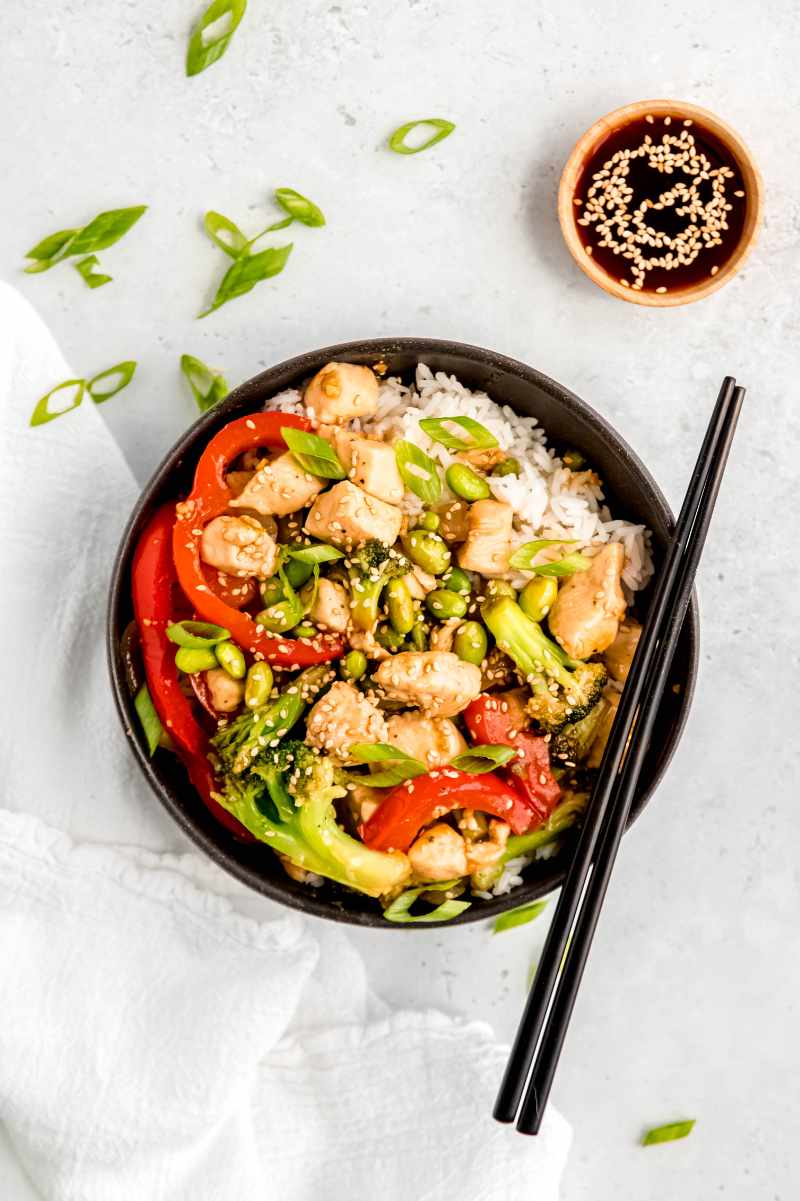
(659, 205)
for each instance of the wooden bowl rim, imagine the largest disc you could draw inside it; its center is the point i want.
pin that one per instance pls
(608, 124)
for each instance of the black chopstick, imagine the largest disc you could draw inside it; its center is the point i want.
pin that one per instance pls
(707, 467)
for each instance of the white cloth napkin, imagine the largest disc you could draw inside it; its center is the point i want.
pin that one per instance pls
(155, 1041)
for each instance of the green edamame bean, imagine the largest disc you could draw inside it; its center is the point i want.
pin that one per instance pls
(471, 643)
(419, 636)
(271, 591)
(298, 573)
(400, 606)
(388, 638)
(443, 604)
(278, 618)
(495, 588)
(466, 483)
(192, 661)
(304, 629)
(427, 550)
(430, 522)
(507, 467)
(458, 581)
(258, 685)
(231, 659)
(354, 665)
(536, 598)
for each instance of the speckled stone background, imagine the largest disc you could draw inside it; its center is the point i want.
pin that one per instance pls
(689, 1005)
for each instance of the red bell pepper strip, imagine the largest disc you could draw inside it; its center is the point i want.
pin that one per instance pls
(236, 592)
(401, 815)
(152, 578)
(211, 496)
(488, 721)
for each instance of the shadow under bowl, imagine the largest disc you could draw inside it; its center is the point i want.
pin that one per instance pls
(631, 493)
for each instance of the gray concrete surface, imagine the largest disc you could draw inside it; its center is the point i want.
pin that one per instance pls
(689, 1003)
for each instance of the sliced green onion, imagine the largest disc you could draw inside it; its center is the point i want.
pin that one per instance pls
(668, 1133)
(50, 250)
(398, 911)
(105, 229)
(247, 271)
(569, 565)
(441, 130)
(486, 757)
(225, 233)
(318, 553)
(120, 374)
(197, 635)
(439, 430)
(522, 558)
(419, 472)
(151, 723)
(208, 385)
(212, 33)
(299, 208)
(403, 767)
(43, 413)
(86, 270)
(520, 916)
(314, 454)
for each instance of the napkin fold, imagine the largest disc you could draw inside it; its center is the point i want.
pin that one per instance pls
(156, 1041)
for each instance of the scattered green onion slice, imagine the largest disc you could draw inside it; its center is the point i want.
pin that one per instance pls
(402, 766)
(419, 472)
(398, 911)
(485, 757)
(50, 250)
(523, 556)
(208, 385)
(441, 130)
(212, 33)
(319, 553)
(196, 635)
(569, 565)
(102, 231)
(86, 270)
(299, 208)
(520, 916)
(668, 1133)
(43, 413)
(247, 271)
(151, 723)
(314, 454)
(120, 376)
(225, 233)
(439, 429)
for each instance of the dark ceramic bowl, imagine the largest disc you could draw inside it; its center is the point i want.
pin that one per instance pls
(631, 493)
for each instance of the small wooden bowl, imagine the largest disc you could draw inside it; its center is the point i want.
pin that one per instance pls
(586, 147)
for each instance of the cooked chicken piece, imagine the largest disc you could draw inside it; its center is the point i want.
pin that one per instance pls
(279, 487)
(484, 458)
(438, 854)
(438, 682)
(331, 608)
(586, 613)
(420, 583)
(373, 467)
(443, 634)
(240, 546)
(226, 693)
(610, 700)
(620, 654)
(341, 391)
(453, 523)
(362, 801)
(432, 740)
(341, 718)
(497, 670)
(301, 874)
(365, 641)
(488, 543)
(484, 849)
(346, 516)
(237, 481)
(341, 440)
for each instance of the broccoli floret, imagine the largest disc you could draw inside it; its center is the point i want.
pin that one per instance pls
(371, 567)
(573, 742)
(564, 690)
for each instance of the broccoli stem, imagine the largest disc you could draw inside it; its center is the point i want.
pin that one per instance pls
(526, 643)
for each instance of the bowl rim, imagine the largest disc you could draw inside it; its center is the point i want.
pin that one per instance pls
(586, 145)
(298, 365)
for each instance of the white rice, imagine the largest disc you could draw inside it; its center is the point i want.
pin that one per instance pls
(549, 500)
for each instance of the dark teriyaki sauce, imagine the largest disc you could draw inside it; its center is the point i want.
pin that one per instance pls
(661, 204)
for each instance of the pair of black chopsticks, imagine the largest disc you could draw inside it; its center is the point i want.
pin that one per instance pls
(543, 1027)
